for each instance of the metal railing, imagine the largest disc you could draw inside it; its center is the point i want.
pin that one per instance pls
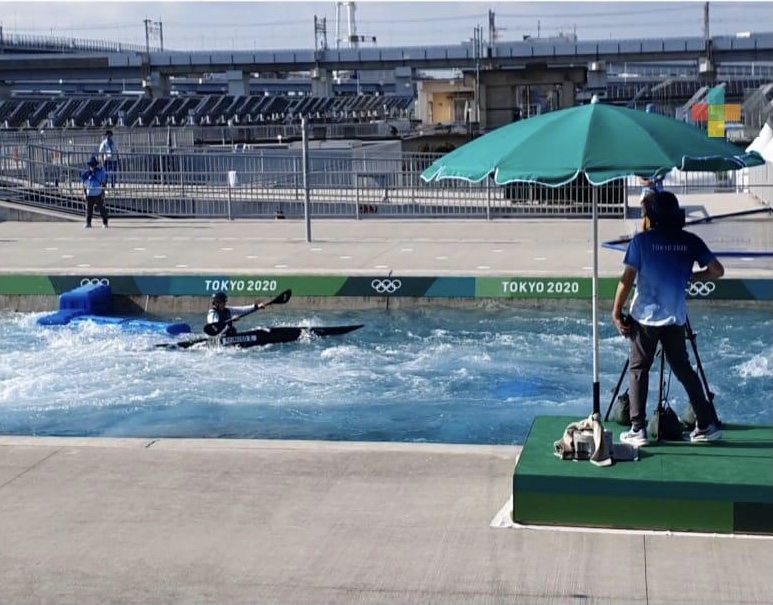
(65, 44)
(760, 183)
(88, 141)
(343, 183)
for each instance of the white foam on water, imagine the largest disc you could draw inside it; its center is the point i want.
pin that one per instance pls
(442, 375)
(759, 366)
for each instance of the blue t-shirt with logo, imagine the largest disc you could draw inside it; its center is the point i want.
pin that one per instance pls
(664, 263)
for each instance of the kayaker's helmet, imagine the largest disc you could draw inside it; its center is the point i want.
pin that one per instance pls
(219, 297)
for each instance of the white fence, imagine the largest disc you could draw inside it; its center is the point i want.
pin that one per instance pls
(373, 180)
(760, 183)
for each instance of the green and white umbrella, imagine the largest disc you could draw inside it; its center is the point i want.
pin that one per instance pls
(603, 142)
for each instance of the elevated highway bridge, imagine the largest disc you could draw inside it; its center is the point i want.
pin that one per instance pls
(506, 72)
(111, 65)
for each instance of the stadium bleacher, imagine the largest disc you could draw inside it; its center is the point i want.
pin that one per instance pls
(87, 111)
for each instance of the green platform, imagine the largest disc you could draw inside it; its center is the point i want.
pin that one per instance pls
(723, 487)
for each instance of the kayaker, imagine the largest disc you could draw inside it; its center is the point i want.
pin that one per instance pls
(219, 312)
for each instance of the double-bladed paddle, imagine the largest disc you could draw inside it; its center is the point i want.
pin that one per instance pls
(216, 328)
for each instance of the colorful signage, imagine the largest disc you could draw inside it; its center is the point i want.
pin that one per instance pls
(392, 286)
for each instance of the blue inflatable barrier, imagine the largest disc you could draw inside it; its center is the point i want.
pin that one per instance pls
(92, 298)
(60, 318)
(131, 324)
(94, 303)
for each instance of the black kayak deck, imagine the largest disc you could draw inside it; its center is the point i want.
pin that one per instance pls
(262, 336)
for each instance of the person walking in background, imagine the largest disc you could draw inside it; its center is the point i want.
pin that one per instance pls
(652, 185)
(661, 261)
(109, 152)
(94, 182)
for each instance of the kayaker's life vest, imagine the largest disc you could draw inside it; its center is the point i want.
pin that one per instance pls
(215, 316)
(222, 316)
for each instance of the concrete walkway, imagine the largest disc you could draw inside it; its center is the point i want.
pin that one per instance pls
(426, 247)
(188, 521)
(177, 521)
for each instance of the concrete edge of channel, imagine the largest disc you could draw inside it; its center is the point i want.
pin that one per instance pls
(168, 443)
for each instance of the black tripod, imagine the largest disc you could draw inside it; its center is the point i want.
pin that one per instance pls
(692, 337)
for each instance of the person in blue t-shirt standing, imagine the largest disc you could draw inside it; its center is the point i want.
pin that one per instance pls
(94, 181)
(660, 260)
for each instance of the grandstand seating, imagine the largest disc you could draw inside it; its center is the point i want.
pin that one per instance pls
(222, 109)
(84, 112)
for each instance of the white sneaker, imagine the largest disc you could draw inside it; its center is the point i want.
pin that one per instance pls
(710, 433)
(636, 438)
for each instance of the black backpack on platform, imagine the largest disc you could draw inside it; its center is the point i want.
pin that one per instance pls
(665, 424)
(621, 410)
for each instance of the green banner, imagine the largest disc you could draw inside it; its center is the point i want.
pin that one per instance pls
(263, 286)
(26, 285)
(533, 287)
(249, 286)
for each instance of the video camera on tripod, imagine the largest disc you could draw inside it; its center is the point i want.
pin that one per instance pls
(664, 424)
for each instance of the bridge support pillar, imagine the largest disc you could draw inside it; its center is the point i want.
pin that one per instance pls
(5, 90)
(707, 72)
(568, 94)
(238, 83)
(509, 95)
(404, 81)
(157, 85)
(321, 83)
(597, 76)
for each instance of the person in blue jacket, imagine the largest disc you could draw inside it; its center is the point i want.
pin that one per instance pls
(660, 260)
(94, 180)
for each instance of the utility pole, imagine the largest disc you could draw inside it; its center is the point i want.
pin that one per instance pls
(153, 29)
(147, 35)
(320, 34)
(306, 190)
(477, 42)
(492, 28)
(338, 25)
(707, 69)
(353, 38)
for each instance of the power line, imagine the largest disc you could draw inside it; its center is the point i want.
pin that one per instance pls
(262, 24)
(424, 20)
(69, 28)
(585, 15)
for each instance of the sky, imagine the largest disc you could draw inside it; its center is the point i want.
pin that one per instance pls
(264, 25)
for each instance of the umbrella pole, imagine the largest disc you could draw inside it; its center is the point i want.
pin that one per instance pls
(595, 299)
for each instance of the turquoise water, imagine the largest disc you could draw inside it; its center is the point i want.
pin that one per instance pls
(427, 375)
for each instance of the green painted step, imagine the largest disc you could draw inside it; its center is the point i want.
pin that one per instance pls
(725, 486)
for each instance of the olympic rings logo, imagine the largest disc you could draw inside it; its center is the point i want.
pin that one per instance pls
(95, 281)
(386, 286)
(700, 288)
